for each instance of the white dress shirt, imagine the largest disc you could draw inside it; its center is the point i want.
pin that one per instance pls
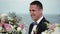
(34, 27)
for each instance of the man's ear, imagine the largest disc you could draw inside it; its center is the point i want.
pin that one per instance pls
(41, 10)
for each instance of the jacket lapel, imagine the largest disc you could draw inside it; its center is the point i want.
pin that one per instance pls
(30, 28)
(41, 26)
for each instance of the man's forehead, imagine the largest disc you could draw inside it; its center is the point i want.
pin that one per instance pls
(33, 5)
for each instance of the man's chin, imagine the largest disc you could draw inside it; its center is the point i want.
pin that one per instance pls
(34, 19)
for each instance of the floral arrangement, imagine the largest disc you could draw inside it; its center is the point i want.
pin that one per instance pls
(10, 24)
(52, 29)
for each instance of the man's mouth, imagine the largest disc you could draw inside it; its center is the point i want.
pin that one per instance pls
(32, 16)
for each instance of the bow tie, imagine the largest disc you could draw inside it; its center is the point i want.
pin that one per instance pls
(35, 23)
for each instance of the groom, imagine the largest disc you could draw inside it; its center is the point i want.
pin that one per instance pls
(39, 22)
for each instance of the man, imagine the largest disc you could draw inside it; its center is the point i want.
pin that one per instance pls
(39, 25)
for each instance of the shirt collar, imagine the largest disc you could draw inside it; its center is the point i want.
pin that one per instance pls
(39, 20)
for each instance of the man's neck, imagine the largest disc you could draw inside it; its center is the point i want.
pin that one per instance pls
(39, 20)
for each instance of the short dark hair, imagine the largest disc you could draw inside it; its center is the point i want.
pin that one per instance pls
(38, 3)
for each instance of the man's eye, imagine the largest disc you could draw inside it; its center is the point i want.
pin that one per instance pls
(29, 10)
(33, 10)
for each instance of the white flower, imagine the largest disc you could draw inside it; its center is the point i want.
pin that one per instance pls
(9, 18)
(13, 29)
(0, 28)
(45, 32)
(4, 14)
(23, 31)
(18, 29)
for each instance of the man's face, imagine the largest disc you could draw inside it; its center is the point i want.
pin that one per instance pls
(35, 12)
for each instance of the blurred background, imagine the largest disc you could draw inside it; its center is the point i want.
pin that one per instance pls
(51, 9)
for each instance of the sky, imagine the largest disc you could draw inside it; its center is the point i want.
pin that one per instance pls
(22, 6)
